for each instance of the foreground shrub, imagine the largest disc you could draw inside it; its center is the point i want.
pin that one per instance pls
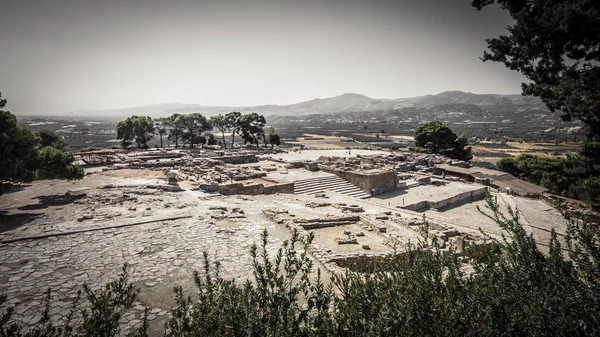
(508, 287)
(99, 316)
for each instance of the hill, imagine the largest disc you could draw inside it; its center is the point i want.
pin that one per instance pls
(345, 103)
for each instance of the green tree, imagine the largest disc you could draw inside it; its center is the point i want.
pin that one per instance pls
(435, 137)
(554, 44)
(25, 156)
(274, 138)
(194, 126)
(210, 138)
(49, 138)
(175, 128)
(251, 126)
(135, 128)
(161, 125)
(233, 125)
(222, 124)
(19, 149)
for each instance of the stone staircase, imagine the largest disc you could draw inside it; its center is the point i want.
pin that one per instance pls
(326, 184)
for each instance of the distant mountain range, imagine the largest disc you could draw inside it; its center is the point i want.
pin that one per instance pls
(346, 103)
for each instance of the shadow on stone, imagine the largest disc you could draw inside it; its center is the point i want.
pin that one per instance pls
(12, 221)
(46, 201)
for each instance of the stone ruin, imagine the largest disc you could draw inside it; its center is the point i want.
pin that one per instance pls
(449, 240)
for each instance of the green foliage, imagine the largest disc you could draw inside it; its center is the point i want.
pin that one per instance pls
(250, 127)
(49, 138)
(269, 306)
(55, 163)
(175, 128)
(574, 177)
(222, 123)
(274, 139)
(194, 126)
(101, 318)
(161, 125)
(135, 128)
(18, 150)
(232, 122)
(210, 139)
(513, 290)
(435, 137)
(25, 155)
(554, 44)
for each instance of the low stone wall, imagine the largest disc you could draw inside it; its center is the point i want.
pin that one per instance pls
(285, 188)
(469, 195)
(255, 189)
(448, 202)
(240, 159)
(416, 206)
(327, 222)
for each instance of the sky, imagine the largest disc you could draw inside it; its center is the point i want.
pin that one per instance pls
(58, 56)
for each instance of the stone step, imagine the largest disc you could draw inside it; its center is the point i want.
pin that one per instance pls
(362, 195)
(323, 186)
(320, 182)
(329, 184)
(323, 179)
(344, 189)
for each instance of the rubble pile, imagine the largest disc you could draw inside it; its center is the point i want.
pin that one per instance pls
(222, 212)
(349, 208)
(209, 173)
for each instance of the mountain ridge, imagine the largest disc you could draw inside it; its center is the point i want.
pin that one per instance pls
(344, 103)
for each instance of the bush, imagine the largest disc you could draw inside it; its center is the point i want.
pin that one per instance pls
(106, 307)
(575, 176)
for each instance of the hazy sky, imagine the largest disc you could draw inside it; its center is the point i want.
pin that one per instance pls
(63, 55)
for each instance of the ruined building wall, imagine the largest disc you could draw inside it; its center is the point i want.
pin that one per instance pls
(255, 189)
(469, 195)
(239, 159)
(373, 184)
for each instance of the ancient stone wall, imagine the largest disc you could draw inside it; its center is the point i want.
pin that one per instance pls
(371, 183)
(448, 202)
(240, 159)
(285, 188)
(255, 189)
(416, 206)
(469, 195)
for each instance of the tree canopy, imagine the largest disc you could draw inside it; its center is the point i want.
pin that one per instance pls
(274, 138)
(232, 121)
(194, 126)
(161, 125)
(222, 124)
(435, 137)
(556, 45)
(174, 126)
(135, 128)
(25, 156)
(251, 127)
